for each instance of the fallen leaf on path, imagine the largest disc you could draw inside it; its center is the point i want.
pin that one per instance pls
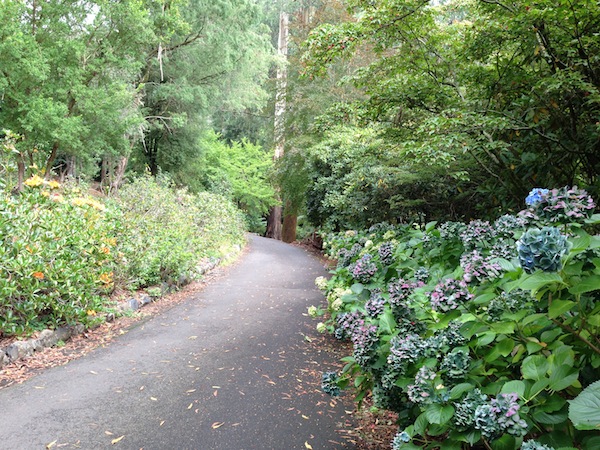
(94, 372)
(51, 444)
(117, 440)
(190, 407)
(108, 433)
(162, 422)
(190, 391)
(304, 417)
(217, 425)
(308, 446)
(193, 338)
(154, 399)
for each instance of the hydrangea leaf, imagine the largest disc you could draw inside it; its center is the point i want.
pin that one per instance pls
(516, 386)
(584, 410)
(587, 284)
(439, 414)
(458, 390)
(506, 442)
(538, 280)
(535, 367)
(558, 307)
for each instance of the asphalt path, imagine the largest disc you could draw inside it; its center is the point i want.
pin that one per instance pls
(230, 368)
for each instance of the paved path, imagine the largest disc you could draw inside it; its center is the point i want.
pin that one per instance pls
(227, 369)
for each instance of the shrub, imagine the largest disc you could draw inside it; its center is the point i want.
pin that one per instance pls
(57, 253)
(479, 335)
(166, 232)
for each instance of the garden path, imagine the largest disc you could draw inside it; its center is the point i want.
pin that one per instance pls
(232, 367)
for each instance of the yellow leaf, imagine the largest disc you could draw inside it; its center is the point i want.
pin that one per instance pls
(217, 425)
(114, 441)
(51, 444)
(304, 417)
(153, 399)
(308, 446)
(190, 407)
(108, 433)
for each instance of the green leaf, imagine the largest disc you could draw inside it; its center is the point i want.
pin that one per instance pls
(458, 390)
(563, 377)
(439, 414)
(584, 410)
(503, 327)
(534, 367)
(502, 348)
(558, 307)
(357, 288)
(516, 386)
(587, 284)
(421, 423)
(506, 442)
(554, 418)
(595, 219)
(539, 279)
(387, 322)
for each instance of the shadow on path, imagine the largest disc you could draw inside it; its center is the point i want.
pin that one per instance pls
(229, 368)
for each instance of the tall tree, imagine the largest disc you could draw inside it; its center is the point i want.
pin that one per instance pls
(220, 60)
(274, 222)
(66, 77)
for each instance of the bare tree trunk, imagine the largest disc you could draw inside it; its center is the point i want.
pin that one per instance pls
(290, 222)
(118, 175)
(274, 220)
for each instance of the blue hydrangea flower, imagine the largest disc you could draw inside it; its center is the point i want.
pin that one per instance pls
(536, 196)
(329, 384)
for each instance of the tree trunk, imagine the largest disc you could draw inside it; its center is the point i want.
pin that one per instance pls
(274, 220)
(274, 223)
(290, 221)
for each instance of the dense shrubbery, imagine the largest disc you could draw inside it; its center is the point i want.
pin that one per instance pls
(62, 252)
(165, 233)
(478, 335)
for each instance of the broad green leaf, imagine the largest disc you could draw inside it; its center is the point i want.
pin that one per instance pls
(558, 307)
(534, 367)
(503, 327)
(584, 410)
(587, 284)
(439, 414)
(538, 280)
(387, 322)
(502, 348)
(357, 288)
(506, 442)
(516, 386)
(550, 418)
(421, 423)
(458, 390)
(538, 387)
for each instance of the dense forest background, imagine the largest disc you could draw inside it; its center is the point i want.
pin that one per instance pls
(395, 110)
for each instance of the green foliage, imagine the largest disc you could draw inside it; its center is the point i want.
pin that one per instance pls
(67, 75)
(239, 171)
(63, 252)
(465, 344)
(165, 232)
(355, 179)
(506, 95)
(58, 256)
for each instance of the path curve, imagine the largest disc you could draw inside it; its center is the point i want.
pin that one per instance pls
(230, 368)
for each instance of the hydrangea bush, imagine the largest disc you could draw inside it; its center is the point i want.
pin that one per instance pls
(478, 334)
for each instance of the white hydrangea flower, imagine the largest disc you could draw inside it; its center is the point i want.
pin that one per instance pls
(337, 304)
(321, 283)
(321, 328)
(312, 311)
(369, 244)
